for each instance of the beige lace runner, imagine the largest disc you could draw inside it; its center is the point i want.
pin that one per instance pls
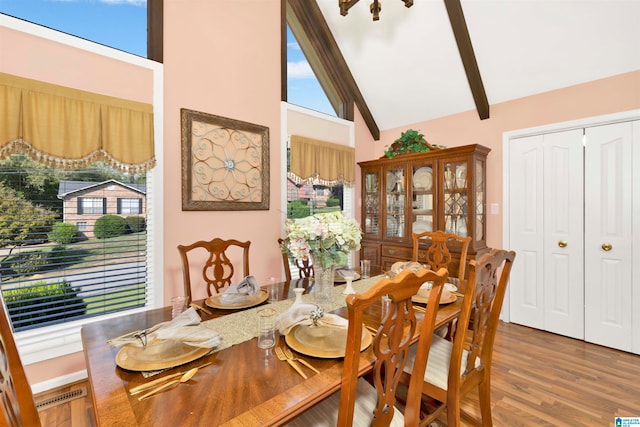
(243, 325)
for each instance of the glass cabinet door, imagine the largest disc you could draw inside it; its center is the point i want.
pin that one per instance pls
(480, 202)
(372, 202)
(456, 197)
(395, 203)
(422, 198)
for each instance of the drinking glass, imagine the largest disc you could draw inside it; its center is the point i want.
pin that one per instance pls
(365, 268)
(273, 289)
(178, 305)
(266, 328)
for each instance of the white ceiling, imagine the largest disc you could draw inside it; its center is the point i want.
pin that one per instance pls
(408, 68)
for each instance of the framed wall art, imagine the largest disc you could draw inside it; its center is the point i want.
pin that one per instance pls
(225, 163)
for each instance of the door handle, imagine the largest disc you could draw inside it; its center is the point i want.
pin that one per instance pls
(607, 246)
(562, 244)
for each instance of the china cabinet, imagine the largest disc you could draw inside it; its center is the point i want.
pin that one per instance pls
(437, 190)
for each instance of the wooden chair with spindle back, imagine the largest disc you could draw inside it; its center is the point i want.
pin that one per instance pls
(305, 268)
(18, 406)
(455, 368)
(438, 253)
(358, 403)
(218, 269)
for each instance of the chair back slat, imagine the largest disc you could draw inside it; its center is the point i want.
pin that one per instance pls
(305, 267)
(488, 278)
(438, 252)
(218, 269)
(391, 342)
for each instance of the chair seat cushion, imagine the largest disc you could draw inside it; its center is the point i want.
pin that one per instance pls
(325, 413)
(437, 372)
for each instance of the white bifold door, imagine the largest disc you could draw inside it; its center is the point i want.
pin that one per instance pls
(570, 222)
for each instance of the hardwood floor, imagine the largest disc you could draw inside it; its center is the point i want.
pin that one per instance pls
(539, 379)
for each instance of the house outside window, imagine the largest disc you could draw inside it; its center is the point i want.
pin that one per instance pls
(48, 269)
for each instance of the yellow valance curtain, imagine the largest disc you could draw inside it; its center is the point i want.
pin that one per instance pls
(68, 128)
(312, 160)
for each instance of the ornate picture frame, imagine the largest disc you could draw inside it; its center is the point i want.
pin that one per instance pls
(225, 163)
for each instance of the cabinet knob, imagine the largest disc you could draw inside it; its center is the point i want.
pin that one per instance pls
(392, 252)
(562, 244)
(607, 246)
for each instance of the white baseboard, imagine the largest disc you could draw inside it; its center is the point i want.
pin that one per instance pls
(59, 382)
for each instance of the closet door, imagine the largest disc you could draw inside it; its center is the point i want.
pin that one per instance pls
(546, 231)
(526, 169)
(608, 235)
(563, 278)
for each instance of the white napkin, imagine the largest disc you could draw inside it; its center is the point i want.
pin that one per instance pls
(233, 294)
(300, 314)
(186, 328)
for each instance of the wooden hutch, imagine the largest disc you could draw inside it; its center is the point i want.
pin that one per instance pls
(442, 189)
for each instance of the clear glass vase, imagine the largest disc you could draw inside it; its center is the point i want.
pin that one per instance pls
(323, 281)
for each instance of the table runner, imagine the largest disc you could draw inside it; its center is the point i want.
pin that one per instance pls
(242, 326)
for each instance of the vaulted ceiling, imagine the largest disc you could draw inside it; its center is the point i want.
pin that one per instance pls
(408, 68)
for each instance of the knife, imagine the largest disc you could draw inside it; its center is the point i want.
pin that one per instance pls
(142, 387)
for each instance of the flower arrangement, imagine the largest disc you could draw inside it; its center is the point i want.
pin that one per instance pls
(327, 236)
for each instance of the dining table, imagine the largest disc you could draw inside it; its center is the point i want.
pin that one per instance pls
(242, 384)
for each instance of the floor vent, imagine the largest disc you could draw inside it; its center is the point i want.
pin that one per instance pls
(61, 398)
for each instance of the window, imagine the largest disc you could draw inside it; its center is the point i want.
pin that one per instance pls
(91, 206)
(129, 206)
(303, 87)
(49, 260)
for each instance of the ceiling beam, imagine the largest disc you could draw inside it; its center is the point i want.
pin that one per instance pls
(327, 61)
(461, 33)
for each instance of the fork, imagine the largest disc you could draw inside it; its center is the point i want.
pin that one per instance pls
(294, 365)
(287, 352)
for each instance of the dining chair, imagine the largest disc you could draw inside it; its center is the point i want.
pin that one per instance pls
(455, 368)
(358, 402)
(218, 269)
(18, 406)
(438, 253)
(305, 268)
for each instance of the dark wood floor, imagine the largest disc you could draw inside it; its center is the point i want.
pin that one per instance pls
(539, 379)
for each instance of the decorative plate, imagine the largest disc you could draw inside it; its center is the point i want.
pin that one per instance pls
(422, 226)
(422, 178)
(461, 176)
(251, 301)
(163, 354)
(322, 341)
(445, 298)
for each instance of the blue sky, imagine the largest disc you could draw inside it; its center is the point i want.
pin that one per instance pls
(122, 24)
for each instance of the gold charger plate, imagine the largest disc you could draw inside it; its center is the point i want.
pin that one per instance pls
(338, 278)
(323, 342)
(253, 300)
(162, 354)
(445, 298)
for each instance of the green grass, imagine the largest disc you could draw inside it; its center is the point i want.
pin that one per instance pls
(130, 297)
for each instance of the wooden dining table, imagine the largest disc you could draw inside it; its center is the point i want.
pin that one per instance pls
(243, 385)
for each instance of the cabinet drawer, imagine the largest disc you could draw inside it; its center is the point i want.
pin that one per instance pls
(399, 252)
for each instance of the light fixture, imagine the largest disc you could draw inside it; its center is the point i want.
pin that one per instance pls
(375, 7)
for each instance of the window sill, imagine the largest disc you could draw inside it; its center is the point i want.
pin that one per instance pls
(50, 342)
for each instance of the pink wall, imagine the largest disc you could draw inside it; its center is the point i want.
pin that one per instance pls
(600, 97)
(222, 57)
(36, 58)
